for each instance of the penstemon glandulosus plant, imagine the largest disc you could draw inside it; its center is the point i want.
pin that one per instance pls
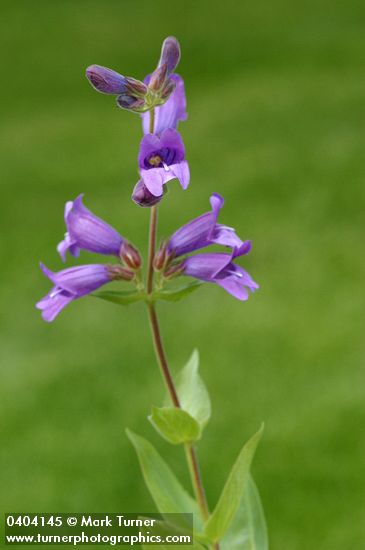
(237, 521)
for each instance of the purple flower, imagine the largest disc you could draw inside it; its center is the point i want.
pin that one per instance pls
(161, 159)
(219, 268)
(88, 232)
(203, 231)
(170, 113)
(75, 282)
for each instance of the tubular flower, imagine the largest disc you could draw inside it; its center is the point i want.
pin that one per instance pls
(161, 159)
(203, 231)
(220, 269)
(75, 282)
(88, 232)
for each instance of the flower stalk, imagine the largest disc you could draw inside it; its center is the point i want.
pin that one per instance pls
(190, 453)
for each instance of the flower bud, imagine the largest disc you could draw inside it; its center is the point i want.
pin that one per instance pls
(118, 273)
(167, 90)
(130, 256)
(135, 87)
(131, 103)
(158, 78)
(170, 54)
(175, 270)
(159, 261)
(106, 80)
(143, 197)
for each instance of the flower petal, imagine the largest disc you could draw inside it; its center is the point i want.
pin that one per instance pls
(234, 287)
(205, 266)
(79, 280)
(182, 173)
(53, 303)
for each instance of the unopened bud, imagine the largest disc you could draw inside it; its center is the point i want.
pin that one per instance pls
(130, 256)
(135, 87)
(167, 90)
(170, 54)
(118, 273)
(106, 80)
(143, 197)
(161, 257)
(131, 103)
(158, 78)
(175, 270)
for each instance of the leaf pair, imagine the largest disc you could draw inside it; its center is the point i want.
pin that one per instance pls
(237, 520)
(127, 297)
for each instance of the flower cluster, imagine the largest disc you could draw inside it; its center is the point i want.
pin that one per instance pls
(212, 267)
(160, 100)
(85, 231)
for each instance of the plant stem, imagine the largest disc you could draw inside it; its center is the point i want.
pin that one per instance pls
(161, 356)
(190, 453)
(151, 248)
(153, 225)
(189, 449)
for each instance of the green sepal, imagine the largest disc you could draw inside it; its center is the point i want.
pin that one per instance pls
(168, 494)
(127, 297)
(248, 529)
(192, 392)
(231, 496)
(175, 425)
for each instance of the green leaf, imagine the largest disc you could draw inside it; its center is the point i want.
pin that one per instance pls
(175, 425)
(232, 493)
(193, 394)
(176, 294)
(167, 492)
(248, 529)
(122, 298)
(127, 297)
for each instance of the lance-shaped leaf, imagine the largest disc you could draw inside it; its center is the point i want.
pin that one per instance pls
(232, 493)
(167, 492)
(176, 294)
(175, 425)
(193, 395)
(122, 298)
(248, 529)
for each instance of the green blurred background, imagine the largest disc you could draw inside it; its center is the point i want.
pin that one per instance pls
(276, 124)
